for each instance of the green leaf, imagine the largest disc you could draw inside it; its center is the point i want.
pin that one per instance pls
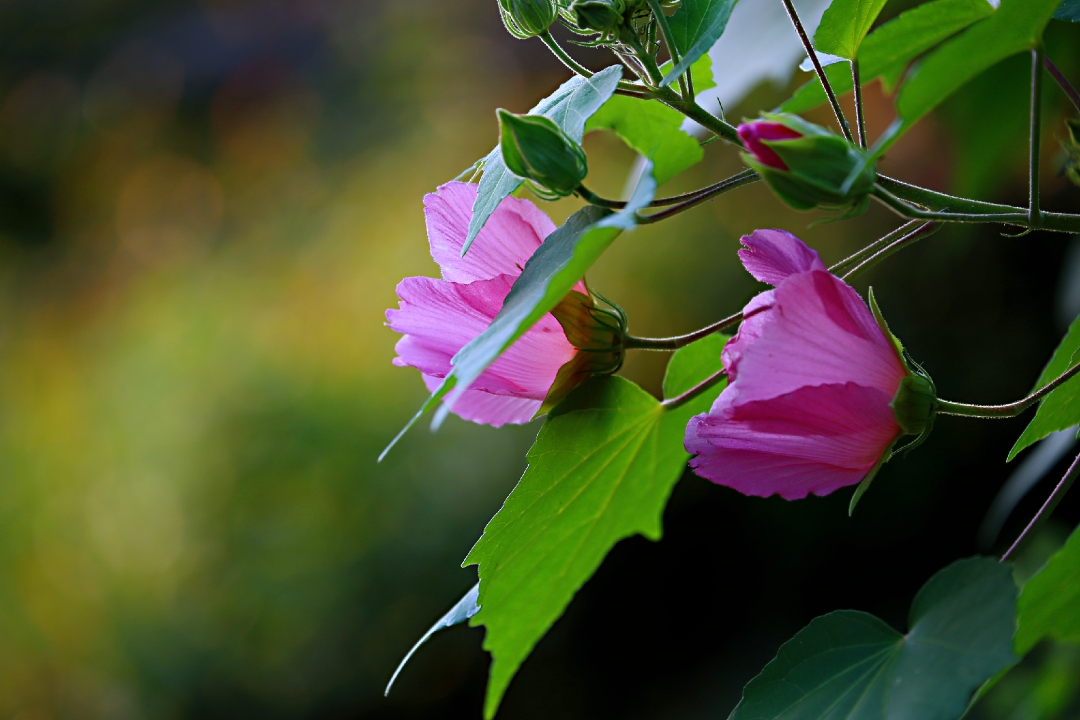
(844, 25)
(1049, 604)
(694, 364)
(1061, 408)
(569, 106)
(852, 666)
(695, 27)
(551, 272)
(601, 470)
(888, 50)
(1068, 10)
(1016, 26)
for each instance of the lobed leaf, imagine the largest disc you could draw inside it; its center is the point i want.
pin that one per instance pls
(1061, 408)
(1049, 604)
(695, 27)
(850, 665)
(601, 470)
(844, 25)
(887, 51)
(569, 106)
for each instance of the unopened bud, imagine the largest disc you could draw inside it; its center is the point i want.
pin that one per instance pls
(806, 165)
(535, 148)
(602, 16)
(527, 18)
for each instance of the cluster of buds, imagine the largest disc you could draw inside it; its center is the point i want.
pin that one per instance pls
(535, 148)
(527, 18)
(612, 20)
(806, 165)
(598, 334)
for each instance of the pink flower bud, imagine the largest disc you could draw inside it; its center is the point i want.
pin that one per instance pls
(439, 316)
(811, 380)
(753, 133)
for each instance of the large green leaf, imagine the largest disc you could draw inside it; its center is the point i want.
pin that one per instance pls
(1016, 26)
(653, 129)
(569, 106)
(601, 470)
(1049, 604)
(852, 666)
(695, 27)
(1061, 408)
(888, 50)
(1068, 10)
(844, 25)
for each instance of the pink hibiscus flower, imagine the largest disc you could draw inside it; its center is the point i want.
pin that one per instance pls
(811, 378)
(438, 317)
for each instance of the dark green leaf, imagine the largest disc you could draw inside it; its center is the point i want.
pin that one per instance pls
(888, 50)
(1068, 10)
(693, 364)
(655, 130)
(852, 666)
(1061, 408)
(696, 26)
(601, 470)
(1049, 604)
(844, 25)
(1016, 26)
(569, 106)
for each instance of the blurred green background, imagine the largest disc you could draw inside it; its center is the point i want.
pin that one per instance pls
(204, 209)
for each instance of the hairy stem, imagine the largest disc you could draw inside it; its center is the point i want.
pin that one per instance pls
(1035, 131)
(923, 231)
(626, 87)
(991, 412)
(694, 391)
(860, 119)
(661, 20)
(744, 178)
(594, 199)
(1062, 81)
(864, 252)
(809, 47)
(1048, 507)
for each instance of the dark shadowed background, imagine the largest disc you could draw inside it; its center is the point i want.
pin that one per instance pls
(204, 210)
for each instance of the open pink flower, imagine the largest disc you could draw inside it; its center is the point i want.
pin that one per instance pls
(811, 376)
(438, 317)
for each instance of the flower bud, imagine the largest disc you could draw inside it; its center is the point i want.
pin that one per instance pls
(598, 334)
(602, 16)
(806, 165)
(535, 148)
(527, 18)
(915, 404)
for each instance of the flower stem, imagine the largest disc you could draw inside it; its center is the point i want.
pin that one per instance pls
(1048, 507)
(594, 199)
(809, 47)
(665, 30)
(698, 114)
(860, 119)
(925, 230)
(1062, 81)
(873, 247)
(1035, 136)
(674, 343)
(990, 412)
(744, 178)
(694, 391)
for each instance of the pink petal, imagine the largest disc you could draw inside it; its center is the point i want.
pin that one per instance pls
(756, 317)
(773, 255)
(818, 331)
(752, 134)
(790, 478)
(483, 407)
(510, 237)
(438, 318)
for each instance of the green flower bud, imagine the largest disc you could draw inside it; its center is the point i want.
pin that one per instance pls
(527, 18)
(915, 404)
(599, 335)
(602, 16)
(535, 148)
(806, 165)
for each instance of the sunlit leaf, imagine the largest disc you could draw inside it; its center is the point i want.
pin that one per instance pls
(696, 26)
(1061, 408)
(1049, 604)
(569, 106)
(601, 470)
(850, 665)
(1068, 10)
(844, 25)
(1016, 26)
(887, 51)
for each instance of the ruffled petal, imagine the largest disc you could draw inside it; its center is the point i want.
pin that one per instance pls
(773, 255)
(481, 406)
(818, 331)
(438, 318)
(756, 316)
(510, 236)
(761, 474)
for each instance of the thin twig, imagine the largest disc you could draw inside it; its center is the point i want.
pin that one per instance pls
(1062, 81)
(1035, 133)
(809, 47)
(594, 199)
(860, 118)
(1048, 507)
(861, 253)
(694, 391)
(744, 178)
(991, 412)
(925, 230)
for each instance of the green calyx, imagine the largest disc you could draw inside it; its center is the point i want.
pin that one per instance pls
(824, 170)
(535, 148)
(602, 16)
(527, 18)
(598, 333)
